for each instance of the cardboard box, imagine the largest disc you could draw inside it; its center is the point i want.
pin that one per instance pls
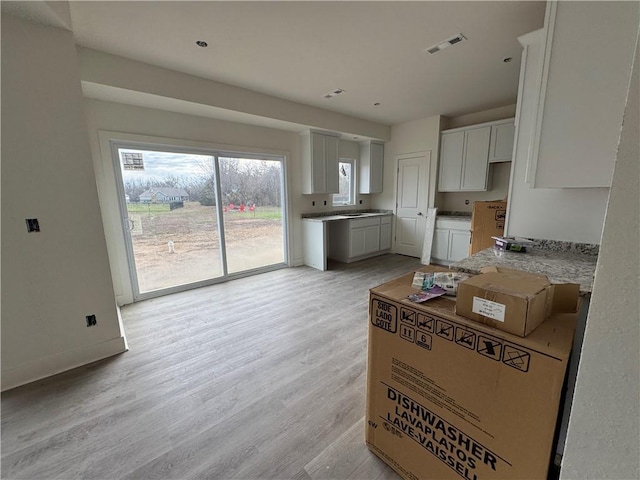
(514, 301)
(449, 398)
(487, 220)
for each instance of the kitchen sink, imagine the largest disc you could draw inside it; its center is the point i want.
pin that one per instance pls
(352, 214)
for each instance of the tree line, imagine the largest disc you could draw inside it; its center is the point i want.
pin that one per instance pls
(250, 182)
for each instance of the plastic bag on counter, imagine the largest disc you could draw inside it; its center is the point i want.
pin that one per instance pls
(448, 281)
(425, 295)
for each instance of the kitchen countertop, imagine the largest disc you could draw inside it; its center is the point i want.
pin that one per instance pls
(457, 218)
(347, 215)
(559, 266)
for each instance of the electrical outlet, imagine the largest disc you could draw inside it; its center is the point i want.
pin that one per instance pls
(325, 202)
(91, 320)
(360, 202)
(313, 203)
(32, 225)
(466, 202)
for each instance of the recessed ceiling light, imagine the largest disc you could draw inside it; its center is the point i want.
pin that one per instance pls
(507, 59)
(446, 43)
(202, 43)
(334, 93)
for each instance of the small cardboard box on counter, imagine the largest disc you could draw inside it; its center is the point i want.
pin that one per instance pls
(449, 398)
(514, 301)
(487, 220)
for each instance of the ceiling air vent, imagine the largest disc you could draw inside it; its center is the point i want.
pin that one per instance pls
(334, 93)
(446, 43)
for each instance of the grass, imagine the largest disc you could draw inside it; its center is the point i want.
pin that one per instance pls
(147, 207)
(263, 213)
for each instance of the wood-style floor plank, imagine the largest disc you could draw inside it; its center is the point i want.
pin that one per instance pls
(258, 378)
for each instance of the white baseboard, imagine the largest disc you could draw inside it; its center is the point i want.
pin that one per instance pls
(47, 366)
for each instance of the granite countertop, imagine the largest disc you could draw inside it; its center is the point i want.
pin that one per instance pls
(449, 213)
(344, 215)
(572, 265)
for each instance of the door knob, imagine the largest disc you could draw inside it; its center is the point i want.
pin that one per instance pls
(420, 214)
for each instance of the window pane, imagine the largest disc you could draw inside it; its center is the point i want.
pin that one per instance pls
(346, 184)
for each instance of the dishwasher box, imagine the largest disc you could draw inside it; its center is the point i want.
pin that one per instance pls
(512, 300)
(487, 220)
(449, 398)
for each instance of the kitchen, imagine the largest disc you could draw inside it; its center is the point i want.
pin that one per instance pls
(539, 205)
(567, 246)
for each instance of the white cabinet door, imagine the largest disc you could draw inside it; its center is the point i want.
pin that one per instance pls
(464, 161)
(451, 162)
(451, 240)
(585, 78)
(320, 163)
(440, 247)
(458, 245)
(331, 164)
(475, 170)
(501, 146)
(372, 239)
(357, 242)
(385, 234)
(371, 167)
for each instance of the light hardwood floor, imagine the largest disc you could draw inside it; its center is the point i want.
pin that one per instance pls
(258, 378)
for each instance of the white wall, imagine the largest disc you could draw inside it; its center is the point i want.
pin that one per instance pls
(421, 135)
(127, 119)
(498, 190)
(104, 72)
(491, 115)
(54, 278)
(604, 428)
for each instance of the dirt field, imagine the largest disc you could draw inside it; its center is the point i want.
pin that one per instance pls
(253, 239)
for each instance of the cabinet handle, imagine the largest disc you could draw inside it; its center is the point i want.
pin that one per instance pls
(420, 214)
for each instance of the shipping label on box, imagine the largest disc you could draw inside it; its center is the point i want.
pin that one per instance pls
(447, 398)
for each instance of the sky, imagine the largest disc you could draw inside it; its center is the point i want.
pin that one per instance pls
(159, 165)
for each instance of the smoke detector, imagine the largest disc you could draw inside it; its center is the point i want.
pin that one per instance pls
(446, 43)
(334, 93)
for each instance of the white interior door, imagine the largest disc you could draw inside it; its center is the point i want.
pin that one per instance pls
(411, 202)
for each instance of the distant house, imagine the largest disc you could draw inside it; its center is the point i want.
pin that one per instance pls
(164, 195)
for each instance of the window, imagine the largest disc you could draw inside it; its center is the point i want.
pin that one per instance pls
(347, 183)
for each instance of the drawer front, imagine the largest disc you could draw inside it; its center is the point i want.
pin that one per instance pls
(364, 222)
(453, 224)
(385, 220)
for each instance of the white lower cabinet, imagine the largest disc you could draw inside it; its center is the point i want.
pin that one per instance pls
(359, 238)
(451, 240)
(385, 232)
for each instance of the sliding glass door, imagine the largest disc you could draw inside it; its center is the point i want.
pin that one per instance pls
(194, 218)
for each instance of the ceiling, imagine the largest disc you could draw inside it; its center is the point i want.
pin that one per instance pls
(299, 51)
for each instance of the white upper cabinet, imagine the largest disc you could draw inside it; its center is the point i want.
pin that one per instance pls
(319, 163)
(464, 159)
(371, 167)
(501, 146)
(586, 56)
